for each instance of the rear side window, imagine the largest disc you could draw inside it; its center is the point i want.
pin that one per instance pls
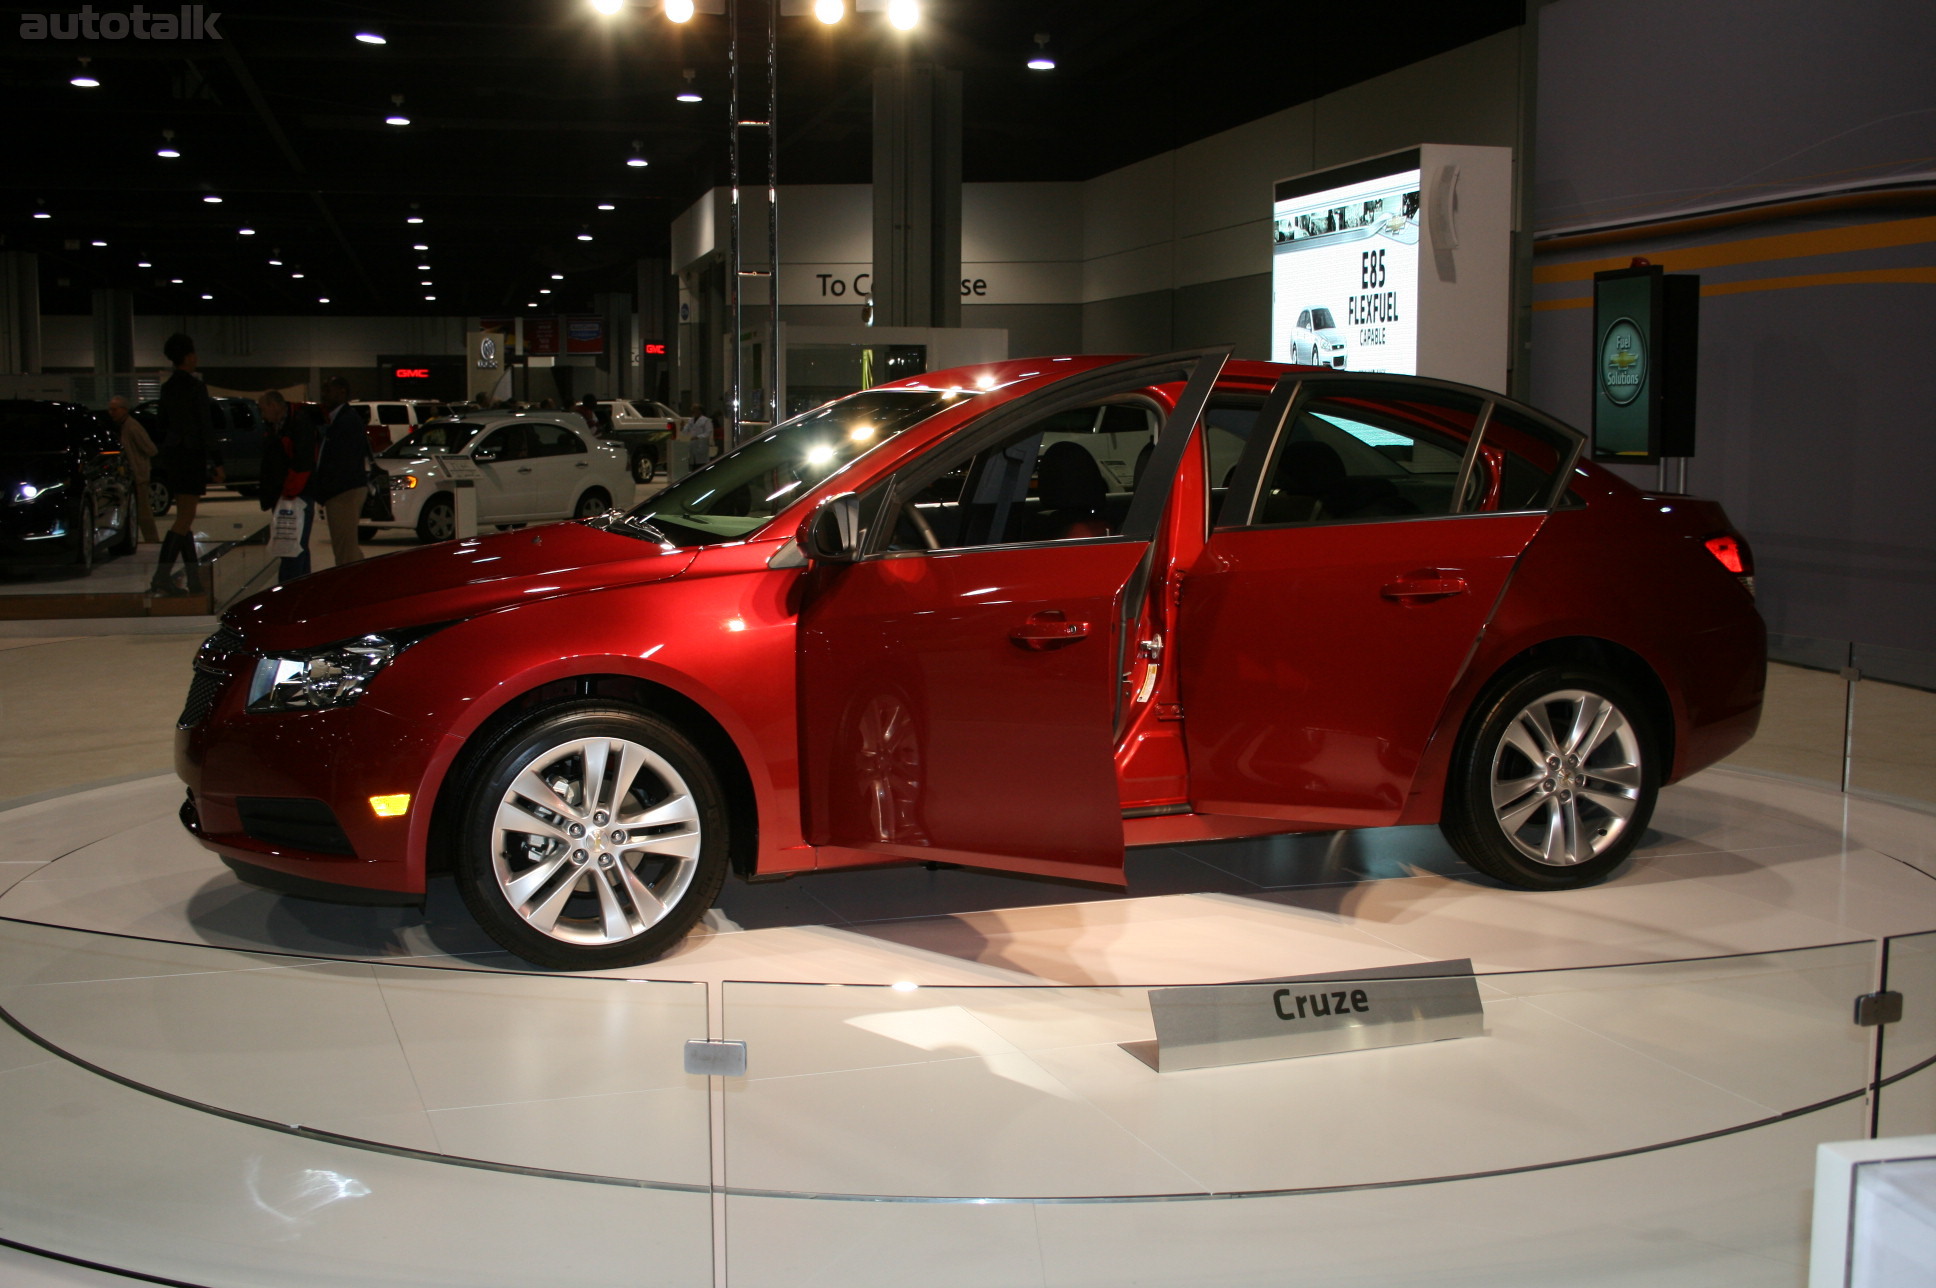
(1346, 459)
(393, 414)
(554, 440)
(1528, 457)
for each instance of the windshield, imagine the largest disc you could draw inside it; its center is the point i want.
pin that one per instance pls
(739, 492)
(1321, 320)
(440, 439)
(33, 429)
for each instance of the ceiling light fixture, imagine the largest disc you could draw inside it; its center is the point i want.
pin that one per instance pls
(423, 268)
(245, 232)
(420, 246)
(678, 10)
(212, 199)
(1041, 60)
(904, 15)
(690, 94)
(142, 263)
(830, 11)
(544, 290)
(414, 219)
(296, 277)
(606, 205)
(426, 283)
(637, 159)
(584, 236)
(397, 117)
(42, 214)
(174, 281)
(557, 277)
(276, 263)
(610, 8)
(322, 299)
(97, 243)
(371, 37)
(168, 148)
(208, 297)
(83, 78)
(430, 297)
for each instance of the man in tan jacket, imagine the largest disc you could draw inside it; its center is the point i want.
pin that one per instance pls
(139, 451)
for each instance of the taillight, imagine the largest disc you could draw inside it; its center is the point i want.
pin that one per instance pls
(1735, 556)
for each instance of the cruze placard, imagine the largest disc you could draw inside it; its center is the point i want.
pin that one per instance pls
(1344, 267)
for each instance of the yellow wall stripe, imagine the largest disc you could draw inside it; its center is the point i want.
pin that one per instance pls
(1859, 277)
(1753, 250)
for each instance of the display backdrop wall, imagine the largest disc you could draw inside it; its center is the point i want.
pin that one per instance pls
(1815, 381)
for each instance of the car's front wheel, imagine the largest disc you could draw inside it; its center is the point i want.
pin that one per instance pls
(438, 519)
(594, 836)
(592, 504)
(84, 556)
(1553, 781)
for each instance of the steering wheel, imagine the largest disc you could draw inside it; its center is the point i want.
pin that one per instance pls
(922, 528)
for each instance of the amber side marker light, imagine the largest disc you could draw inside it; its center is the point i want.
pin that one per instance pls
(391, 806)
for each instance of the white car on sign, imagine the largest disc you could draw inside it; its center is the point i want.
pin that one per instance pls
(528, 469)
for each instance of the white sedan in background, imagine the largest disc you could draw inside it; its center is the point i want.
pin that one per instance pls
(531, 468)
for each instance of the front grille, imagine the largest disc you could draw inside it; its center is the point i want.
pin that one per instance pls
(201, 697)
(211, 671)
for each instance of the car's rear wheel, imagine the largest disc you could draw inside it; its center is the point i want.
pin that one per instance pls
(594, 503)
(1553, 780)
(594, 837)
(438, 520)
(643, 467)
(161, 497)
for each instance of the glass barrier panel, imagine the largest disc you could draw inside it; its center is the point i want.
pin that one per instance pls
(1893, 746)
(870, 1113)
(568, 1074)
(1907, 1099)
(1803, 718)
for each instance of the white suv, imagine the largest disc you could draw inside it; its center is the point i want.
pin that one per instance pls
(527, 469)
(391, 420)
(644, 427)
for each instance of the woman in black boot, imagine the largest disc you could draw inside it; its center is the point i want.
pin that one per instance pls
(187, 451)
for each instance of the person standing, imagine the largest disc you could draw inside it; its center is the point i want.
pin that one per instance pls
(139, 451)
(588, 408)
(188, 457)
(341, 480)
(288, 459)
(699, 436)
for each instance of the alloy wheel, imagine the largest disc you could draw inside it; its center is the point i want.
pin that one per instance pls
(1567, 777)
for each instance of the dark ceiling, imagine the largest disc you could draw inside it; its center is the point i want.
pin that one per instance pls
(522, 116)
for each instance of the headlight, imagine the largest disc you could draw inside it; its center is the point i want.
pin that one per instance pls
(28, 493)
(320, 679)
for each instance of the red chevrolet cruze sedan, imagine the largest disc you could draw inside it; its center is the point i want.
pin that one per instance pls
(1016, 616)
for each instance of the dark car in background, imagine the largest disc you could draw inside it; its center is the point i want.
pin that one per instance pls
(66, 496)
(238, 440)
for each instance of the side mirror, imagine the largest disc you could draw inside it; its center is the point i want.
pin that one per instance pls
(832, 533)
(484, 454)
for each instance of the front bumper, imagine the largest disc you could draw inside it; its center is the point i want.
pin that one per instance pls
(246, 773)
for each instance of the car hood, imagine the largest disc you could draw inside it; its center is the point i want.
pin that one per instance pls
(448, 582)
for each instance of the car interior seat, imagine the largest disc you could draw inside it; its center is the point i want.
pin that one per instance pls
(1072, 493)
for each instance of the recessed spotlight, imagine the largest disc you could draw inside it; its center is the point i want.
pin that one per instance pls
(276, 262)
(423, 268)
(606, 205)
(829, 11)
(690, 94)
(42, 214)
(322, 299)
(637, 163)
(143, 264)
(610, 8)
(678, 10)
(97, 243)
(426, 283)
(396, 118)
(170, 153)
(903, 15)
(84, 79)
(637, 159)
(371, 37)
(1041, 60)
(584, 236)
(174, 281)
(296, 276)
(544, 290)
(430, 297)
(208, 297)
(420, 246)
(531, 304)
(212, 199)
(414, 219)
(557, 277)
(245, 232)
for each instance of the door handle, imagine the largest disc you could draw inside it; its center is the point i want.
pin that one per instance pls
(1047, 630)
(1425, 583)
(524, 469)
(583, 465)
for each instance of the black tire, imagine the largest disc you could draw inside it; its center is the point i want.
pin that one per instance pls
(643, 468)
(128, 540)
(84, 557)
(437, 521)
(537, 892)
(161, 497)
(1593, 809)
(365, 532)
(592, 504)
